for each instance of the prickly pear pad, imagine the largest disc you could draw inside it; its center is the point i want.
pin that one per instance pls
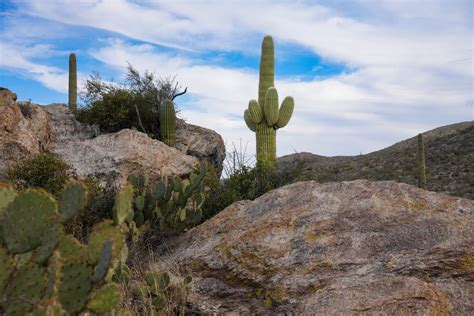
(105, 299)
(75, 286)
(27, 219)
(72, 200)
(26, 288)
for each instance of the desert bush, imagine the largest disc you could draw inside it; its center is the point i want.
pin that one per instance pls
(44, 170)
(244, 181)
(135, 103)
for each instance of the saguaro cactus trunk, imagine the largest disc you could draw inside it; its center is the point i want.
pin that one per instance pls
(263, 116)
(421, 163)
(72, 102)
(167, 122)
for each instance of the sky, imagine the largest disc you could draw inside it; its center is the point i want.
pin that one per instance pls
(364, 74)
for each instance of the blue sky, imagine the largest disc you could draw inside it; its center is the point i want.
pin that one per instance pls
(364, 74)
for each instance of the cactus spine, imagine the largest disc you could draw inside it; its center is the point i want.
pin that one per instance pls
(167, 122)
(72, 83)
(421, 163)
(263, 116)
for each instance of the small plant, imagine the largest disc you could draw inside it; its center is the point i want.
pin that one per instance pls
(263, 116)
(159, 294)
(43, 269)
(44, 170)
(167, 123)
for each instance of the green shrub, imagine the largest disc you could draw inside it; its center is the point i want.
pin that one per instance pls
(243, 182)
(44, 170)
(132, 104)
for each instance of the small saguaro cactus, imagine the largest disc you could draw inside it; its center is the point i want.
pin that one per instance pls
(167, 122)
(421, 163)
(72, 102)
(263, 116)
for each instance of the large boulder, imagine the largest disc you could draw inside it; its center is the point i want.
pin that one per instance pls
(112, 157)
(345, 248)
(200, 142)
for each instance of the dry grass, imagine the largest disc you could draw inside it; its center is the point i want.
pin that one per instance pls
(143, 258)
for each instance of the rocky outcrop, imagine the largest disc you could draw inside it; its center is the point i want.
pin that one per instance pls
(7, 97)
(27, 129)
(348, 248)
(112, 157)
(200, 142)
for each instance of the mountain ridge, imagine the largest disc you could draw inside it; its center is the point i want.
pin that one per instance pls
(449, 154)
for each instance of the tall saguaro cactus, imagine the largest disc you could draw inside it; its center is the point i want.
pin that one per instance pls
(167, 122)
(263, 116)
(421, 163)
(72, 102)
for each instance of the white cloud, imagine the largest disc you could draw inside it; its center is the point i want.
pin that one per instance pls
(14, 58)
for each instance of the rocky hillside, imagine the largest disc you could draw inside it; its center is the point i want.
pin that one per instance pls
(449, 162)
(347, 248)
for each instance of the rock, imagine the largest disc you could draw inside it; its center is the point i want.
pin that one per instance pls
(7, 97)
(24, 131)
(112, 157)
(200, 142)
(65, 127)
(27, 129)
(345, 248)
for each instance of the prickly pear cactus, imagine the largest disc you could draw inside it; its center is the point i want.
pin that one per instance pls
(167, 122)
(177, 204)
(263, 116)
(43, 271)
(72, 83)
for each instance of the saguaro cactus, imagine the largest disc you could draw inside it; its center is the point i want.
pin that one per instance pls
(421, 163)
(263, 116)
(167, 122)
(72, 102)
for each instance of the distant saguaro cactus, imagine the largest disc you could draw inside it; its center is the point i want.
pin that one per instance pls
(167, 123)
(421, 163)
(72, 102)
(264, 117)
